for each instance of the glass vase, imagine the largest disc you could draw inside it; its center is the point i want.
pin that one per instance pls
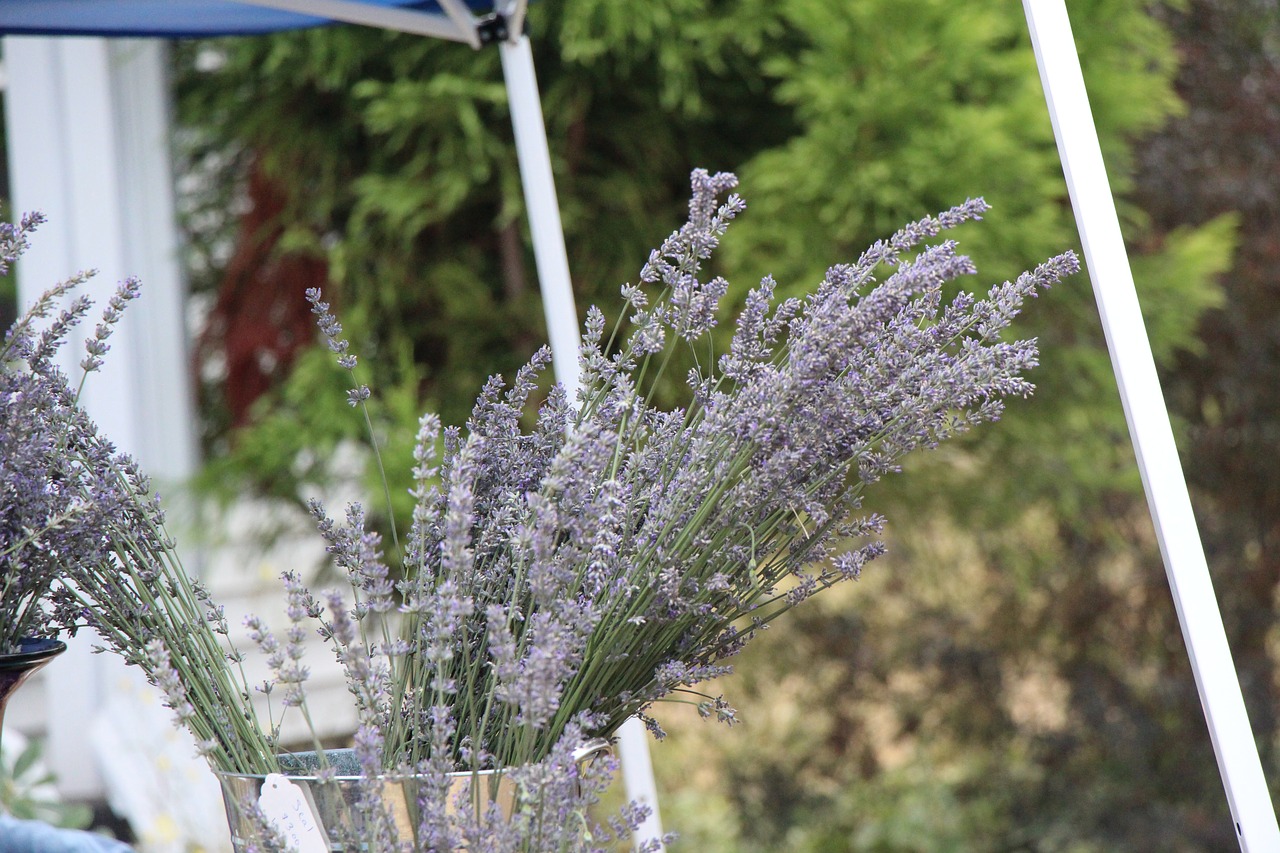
(333, 804)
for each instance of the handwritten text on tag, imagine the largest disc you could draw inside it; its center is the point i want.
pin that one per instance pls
(287, 811)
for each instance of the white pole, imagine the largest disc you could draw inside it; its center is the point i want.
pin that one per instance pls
(544, 210)
(562, 330)
(637, 778)
(1149, 428)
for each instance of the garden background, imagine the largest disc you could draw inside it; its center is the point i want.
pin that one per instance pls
(1012, 675)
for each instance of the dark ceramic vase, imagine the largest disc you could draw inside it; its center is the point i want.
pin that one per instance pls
(17, 667)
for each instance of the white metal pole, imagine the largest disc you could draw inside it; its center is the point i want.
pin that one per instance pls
(637, 778)
(562, 330)
(544, 210)
(1152, 436)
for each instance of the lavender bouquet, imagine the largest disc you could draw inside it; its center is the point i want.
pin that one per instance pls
(619, 553)
(82, 539)
(58, 493)
(560, 579)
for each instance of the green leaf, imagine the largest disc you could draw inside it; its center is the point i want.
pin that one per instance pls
(27, 758)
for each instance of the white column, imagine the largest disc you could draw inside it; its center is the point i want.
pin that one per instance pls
(1144, 406)
(87, 129)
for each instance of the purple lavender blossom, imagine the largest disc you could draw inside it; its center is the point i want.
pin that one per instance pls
(332, 331)
(169, 682)
(96, 347)
(59, 496)
(82, 539)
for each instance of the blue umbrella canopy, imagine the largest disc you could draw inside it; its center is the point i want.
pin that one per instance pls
(176, 18)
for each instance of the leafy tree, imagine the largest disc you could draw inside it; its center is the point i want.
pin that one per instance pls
(389, 159)
(1221, 158)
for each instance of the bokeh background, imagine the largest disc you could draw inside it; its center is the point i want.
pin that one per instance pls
(1012, 675)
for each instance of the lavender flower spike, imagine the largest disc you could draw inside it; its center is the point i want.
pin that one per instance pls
(332, 331)
(96, 347)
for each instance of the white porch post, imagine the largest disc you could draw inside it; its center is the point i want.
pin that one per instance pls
(88, 145)
(1149, 428)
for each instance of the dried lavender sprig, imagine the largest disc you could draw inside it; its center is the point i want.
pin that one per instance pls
(909, 236)
(138, 593)
(380, 833)
(264, 836)
(16, 239)
(51, 338)
(169, 682)
(96, 346)
(437, 828)
(356, 396)
(367, 675)
(55, 509)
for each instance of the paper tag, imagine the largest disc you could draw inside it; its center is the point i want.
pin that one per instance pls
(285, 806)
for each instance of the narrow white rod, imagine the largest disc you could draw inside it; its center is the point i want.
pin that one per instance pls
(637, 778)
(386, 17)
(1152, 436)
(544, 211)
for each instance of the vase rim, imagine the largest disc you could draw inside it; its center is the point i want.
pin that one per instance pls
(591, 748)
(33, 649)
(311, 778)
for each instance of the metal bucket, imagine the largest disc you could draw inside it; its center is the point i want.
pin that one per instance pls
(332, 803)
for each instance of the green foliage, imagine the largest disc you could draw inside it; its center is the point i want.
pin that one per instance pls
(1221, 158)
(908, 107)
(1175, 295)
(903, 108)
(27, 792)
(940, 103)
